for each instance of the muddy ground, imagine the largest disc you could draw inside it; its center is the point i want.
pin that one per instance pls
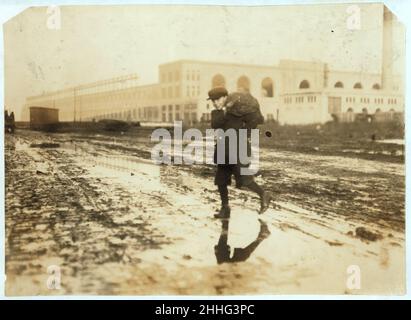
(114, 223)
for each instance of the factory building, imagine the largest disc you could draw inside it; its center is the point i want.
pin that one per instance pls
(292, 92)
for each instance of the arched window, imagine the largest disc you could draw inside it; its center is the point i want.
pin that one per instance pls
(378, 110)
(350, 110)
(364, 110)
(376, 86)
(243, 84)
(339, 84)
(218, 81)
(267, 88)
(304, 84)
(358, 85)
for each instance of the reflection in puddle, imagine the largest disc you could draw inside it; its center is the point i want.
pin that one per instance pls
(223, 251)
(122, 163)
(393, 141)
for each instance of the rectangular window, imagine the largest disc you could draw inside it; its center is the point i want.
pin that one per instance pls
(334, 105)
(177, 91)
(170, 92)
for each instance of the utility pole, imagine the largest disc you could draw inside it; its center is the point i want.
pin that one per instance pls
(74, 104)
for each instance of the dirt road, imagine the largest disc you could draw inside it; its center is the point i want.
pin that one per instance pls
(114, 223)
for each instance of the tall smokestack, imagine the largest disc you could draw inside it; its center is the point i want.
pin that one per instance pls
(387, 47)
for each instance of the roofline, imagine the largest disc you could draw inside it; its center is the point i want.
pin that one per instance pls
(51, 93)
(218, 63)
(263, 66)
(45, 108)
(356, 72)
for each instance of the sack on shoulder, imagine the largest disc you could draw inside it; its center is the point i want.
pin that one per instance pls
(240, 104)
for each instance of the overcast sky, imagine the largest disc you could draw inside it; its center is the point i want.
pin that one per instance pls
(100, 42)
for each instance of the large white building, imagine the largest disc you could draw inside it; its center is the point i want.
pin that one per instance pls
(292, 92)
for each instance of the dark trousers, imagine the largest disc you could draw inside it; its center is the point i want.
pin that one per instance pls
(223, 179)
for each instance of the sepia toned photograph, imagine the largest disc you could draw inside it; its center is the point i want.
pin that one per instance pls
(204, 150)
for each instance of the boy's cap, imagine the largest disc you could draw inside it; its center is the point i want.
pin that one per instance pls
(217, 93)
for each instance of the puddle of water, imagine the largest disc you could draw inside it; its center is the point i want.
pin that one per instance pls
(351, 164)
(393, 141)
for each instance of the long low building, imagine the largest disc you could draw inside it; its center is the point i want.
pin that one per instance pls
(292, 92)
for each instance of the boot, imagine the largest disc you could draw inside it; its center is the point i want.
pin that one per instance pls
(224, 212)
(265, 201)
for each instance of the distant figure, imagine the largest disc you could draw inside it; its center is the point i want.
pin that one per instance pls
(9, 124)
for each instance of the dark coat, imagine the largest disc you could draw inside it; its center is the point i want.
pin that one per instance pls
(242, 112)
